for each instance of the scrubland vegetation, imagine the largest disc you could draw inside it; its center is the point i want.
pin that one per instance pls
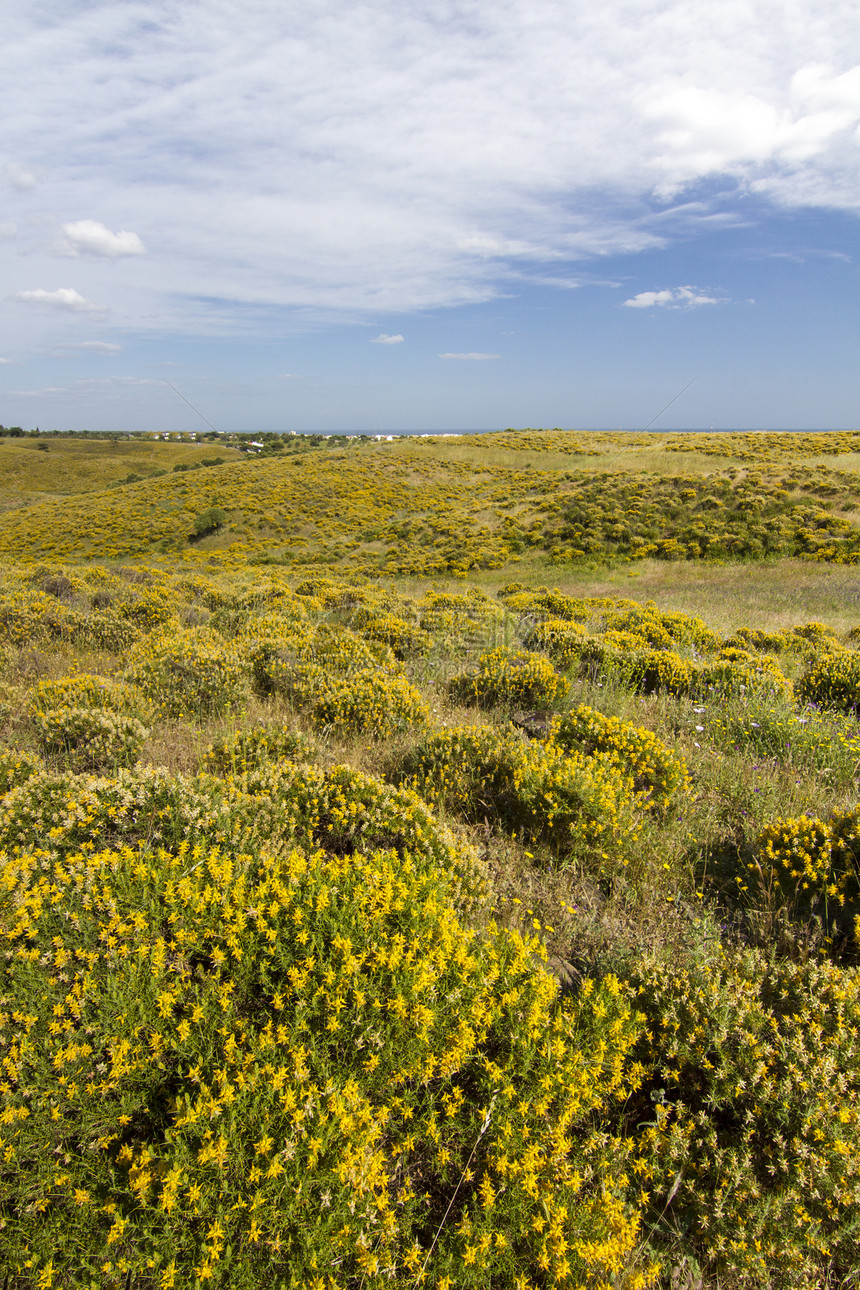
(432, 863)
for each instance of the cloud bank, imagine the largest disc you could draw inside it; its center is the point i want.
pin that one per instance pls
(390, 157)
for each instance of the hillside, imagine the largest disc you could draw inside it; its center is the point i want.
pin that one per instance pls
(431, 862)
(429, 506)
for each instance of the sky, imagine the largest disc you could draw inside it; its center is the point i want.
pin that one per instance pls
(430, 214)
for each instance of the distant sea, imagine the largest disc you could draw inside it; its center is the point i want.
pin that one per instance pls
(394, 434)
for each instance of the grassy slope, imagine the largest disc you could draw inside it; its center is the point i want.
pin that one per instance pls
(432, 506)
(32, 470)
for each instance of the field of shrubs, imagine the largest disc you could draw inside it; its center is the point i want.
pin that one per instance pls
(430, 917)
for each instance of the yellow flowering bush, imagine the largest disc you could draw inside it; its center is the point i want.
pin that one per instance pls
(303, 663)
(255, 1025)
(659, 629)
(233, 1069)
(762, 642)
(468, 621)
(372, 702)
(108, 630)
(191, 671)
(751, 1159)
(622, 640)
(545, 604)
(815, 633)
(832, 680)
(627, 663)
(510, 678)
(250, 749)
(31, 617)
(811, 864)
(88, 691)
(324, 591)
(60, 811)
(560, 640)
(89, 738)
(16, 767)
(689, 629)
(581, 806)
(743, 674)
(405, 639)
(654, 769)
(150, 608)
(644, 622)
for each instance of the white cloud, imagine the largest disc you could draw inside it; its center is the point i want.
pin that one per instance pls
(470, 357)
(64, 298)
(394, 157)
(382, 339)
(288, 376)
(89, 237)
(672, 298)
(20, 177)
(6, 362)
(8, 229)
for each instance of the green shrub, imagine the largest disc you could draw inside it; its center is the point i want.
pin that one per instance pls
(16, 767)
(89, 738)
(370, 703)
(208, 521)
(752, 1165)
(88, 691)
(510, 678)
(833, 681)
(405, 639)
(189, 672)
(581, 807)
(560, 640)
(637, 752)
(250, 749)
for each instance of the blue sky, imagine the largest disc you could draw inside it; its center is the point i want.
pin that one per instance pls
(445, 214)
